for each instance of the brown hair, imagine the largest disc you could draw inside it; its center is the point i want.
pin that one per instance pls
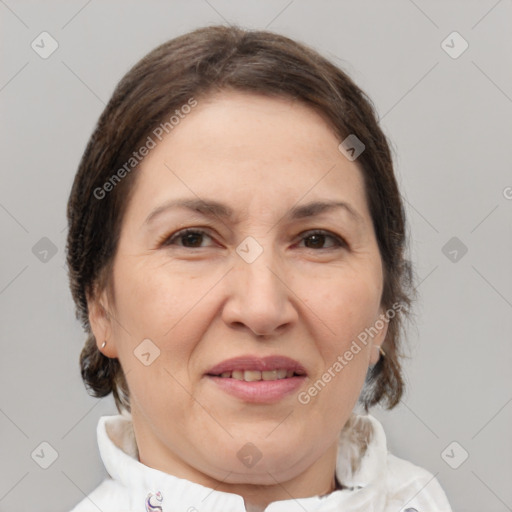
(192, 66)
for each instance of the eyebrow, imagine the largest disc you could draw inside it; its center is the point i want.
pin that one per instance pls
(212, 208)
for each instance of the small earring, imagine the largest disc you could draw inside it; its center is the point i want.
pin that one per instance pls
(380, 350)
(104, 344)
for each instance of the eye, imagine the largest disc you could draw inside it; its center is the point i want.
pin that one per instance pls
(196, 238)
(317, 239)
(190, 238)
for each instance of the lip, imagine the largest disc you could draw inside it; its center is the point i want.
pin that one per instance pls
(257, 364)
(263, 391)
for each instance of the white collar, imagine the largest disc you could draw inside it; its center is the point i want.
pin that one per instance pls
(363, 478)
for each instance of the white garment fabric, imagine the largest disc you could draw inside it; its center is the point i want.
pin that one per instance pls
(380, 483)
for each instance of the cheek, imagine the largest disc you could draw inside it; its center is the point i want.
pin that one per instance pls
(347, 306)
(154, 297)
(152, 303)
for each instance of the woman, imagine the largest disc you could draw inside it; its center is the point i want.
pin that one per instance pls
(236, 253)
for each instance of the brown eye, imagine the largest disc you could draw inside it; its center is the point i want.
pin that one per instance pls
(322, 240)
(188, 238)
(192, 239)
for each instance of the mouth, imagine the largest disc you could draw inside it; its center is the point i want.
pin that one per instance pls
(252, 368)
(255, 379)
(256, 375)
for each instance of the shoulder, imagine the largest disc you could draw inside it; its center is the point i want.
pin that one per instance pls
(109, 496)
(413, 487)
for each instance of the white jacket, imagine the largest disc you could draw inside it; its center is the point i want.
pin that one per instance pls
(381, 483)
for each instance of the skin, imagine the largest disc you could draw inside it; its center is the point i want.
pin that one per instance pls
(305, 298)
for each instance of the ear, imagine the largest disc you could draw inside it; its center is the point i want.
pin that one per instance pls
(379, 338)
(100, 321)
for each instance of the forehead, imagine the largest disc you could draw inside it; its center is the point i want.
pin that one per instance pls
(251, 150)
(238, 125)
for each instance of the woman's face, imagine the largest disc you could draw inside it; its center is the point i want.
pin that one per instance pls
(272, 281)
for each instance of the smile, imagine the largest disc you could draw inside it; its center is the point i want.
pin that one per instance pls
(258, 379)
(255, 375)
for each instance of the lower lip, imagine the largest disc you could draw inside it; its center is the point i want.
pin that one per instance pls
(261, 391)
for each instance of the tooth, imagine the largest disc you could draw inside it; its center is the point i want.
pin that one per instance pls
(251, 376)
(269, 375)
(281, 374)
(255, 375)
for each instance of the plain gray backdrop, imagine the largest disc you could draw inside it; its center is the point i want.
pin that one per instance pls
(447, 110)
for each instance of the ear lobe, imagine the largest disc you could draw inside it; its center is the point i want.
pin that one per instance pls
(100, 321)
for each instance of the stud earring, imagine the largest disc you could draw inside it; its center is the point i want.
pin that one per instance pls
(104, 344)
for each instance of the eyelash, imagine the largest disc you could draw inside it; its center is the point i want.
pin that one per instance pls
(339, 242)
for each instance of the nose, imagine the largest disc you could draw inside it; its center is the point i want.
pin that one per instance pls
(259, 298)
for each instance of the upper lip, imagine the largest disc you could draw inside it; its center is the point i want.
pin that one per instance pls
(255, 363)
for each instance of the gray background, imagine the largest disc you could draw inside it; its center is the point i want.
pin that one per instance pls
(449, 120)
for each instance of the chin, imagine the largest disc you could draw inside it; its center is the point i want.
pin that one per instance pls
(260, 462)
(264, 472)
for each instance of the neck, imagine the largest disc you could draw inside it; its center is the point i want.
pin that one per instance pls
(274, 483)
(317, 480)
